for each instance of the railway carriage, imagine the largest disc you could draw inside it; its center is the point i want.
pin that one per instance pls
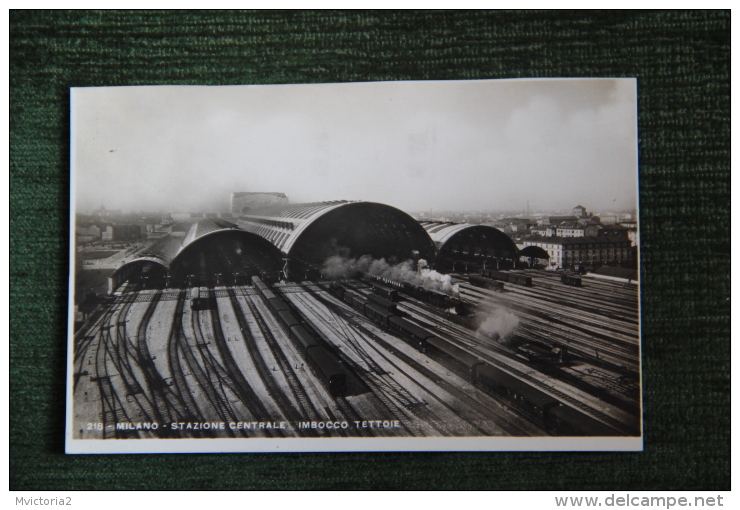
(572, 421)
(327, 369)
(524, 395)
(323, 364)
(538, 353)
(382, 302)
(411, 331)
(378, 314)
(384, 291)
(486, 283)
(459, 357)
(195, 298)
(288, 319)
(301, 338)
(277, 304)
(359, 303)
(257, 282)
(268, 294)
(509, 277)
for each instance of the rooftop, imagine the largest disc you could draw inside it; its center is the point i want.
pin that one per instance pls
(576, 240)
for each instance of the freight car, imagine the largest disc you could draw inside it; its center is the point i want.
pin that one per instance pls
(506, 276)
(537, 353)
(575, 281)
(486, 283)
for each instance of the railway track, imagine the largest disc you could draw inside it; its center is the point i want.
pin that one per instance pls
(112, 409)
(511, 367)
(393, 396)
(541, 324)
(623, 337)
(471, 411)
(294, 415)
(259, 311)
(242, 388)
(208, 372)
(444, 329)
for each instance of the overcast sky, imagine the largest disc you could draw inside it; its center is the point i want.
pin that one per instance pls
(413, 145)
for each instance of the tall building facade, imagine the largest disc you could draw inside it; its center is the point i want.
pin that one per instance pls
(567, 252)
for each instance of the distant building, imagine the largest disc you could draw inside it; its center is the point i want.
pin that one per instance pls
(630, 223)
(242, 202)
(580, 211)
(122, 233)
(556, 220)
(91, 231)
(609, 219)
(614, 230)
(576, 230)
(594, 251)
(543, 231)
(633, 236)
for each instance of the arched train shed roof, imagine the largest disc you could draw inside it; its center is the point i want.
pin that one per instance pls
(534, 252)
(365, 228)
(283, 225)
(168, 250)
(492, 240)
(160, 253)
(205, 227)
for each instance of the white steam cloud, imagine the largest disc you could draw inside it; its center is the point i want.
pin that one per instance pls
(499, 325)
(338, 266)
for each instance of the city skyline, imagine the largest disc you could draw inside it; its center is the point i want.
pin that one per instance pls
(475, 145)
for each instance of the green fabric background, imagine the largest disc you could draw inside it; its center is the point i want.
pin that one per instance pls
(682, 61)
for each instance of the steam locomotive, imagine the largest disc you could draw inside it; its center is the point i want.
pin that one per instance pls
(434, 297)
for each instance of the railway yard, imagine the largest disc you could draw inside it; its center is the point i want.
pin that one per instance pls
(246, 358)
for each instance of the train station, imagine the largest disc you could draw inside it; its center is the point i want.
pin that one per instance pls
(237, 320)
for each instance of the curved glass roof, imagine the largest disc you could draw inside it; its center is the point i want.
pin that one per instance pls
(284, 226)
(443, 233)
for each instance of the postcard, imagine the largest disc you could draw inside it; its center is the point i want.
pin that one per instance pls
(389, 266)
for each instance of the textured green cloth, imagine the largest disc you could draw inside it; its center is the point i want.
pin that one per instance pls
(682, 61)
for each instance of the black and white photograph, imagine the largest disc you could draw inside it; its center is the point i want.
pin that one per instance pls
(386, 266)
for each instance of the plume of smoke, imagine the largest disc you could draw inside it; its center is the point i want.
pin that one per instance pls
(499, 325)
(340, 266)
